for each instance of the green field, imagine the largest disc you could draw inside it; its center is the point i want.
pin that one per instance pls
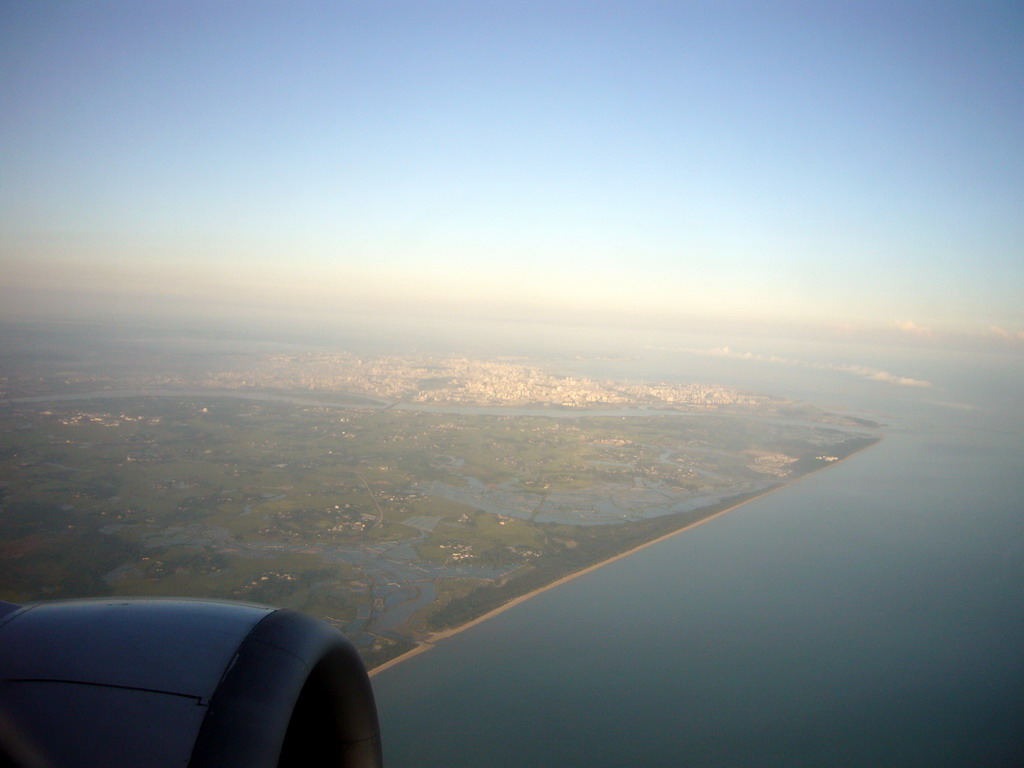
(351, 513)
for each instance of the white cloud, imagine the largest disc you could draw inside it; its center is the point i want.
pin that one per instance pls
(1002, 333)
(875, 374)
(912, 328)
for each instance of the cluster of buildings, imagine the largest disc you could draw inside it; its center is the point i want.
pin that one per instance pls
(460, 380)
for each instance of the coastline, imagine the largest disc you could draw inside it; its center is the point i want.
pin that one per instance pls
(435, 637)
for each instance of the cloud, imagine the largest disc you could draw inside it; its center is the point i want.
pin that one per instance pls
(958, 406)
(912, 328)
(1005, 335)
(874, 374)
(890, 378)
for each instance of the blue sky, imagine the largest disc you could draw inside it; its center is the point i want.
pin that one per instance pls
(827, 164)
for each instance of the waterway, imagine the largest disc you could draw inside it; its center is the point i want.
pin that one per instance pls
(869, 615)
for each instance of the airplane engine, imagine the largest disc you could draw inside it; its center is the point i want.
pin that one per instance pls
(195, 683)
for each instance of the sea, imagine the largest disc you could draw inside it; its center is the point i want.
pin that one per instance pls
(871, 614)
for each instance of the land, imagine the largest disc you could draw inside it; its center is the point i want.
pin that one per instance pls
(397, 498)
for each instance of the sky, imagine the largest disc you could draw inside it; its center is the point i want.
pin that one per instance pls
(836, 165)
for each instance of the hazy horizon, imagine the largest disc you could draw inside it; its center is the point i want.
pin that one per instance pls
(844, 171)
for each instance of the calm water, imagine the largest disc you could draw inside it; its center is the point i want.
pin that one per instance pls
(869, 615)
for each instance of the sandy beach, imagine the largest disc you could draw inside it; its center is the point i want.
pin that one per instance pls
(431, 640)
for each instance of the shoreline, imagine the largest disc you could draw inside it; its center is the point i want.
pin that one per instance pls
(435, 637)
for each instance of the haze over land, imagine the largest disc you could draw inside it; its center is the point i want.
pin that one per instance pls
(387, 494)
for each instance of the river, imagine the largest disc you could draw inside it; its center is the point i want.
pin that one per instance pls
(871, 614)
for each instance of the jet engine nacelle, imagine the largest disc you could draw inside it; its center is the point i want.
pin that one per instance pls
(180, 683)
